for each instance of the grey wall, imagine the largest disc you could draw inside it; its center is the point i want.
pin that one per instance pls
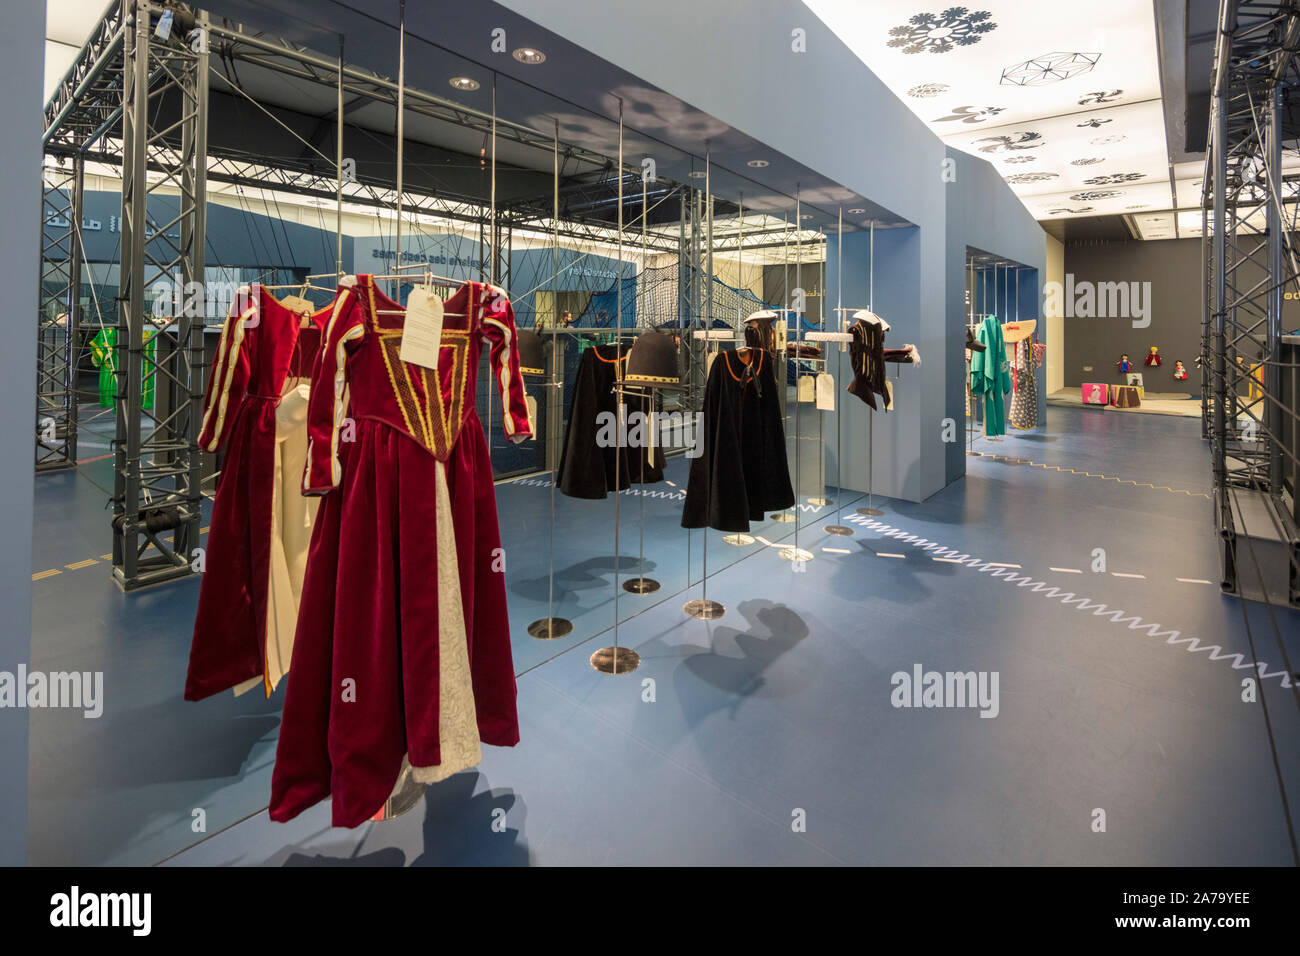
(1173, 267)
(22, 47)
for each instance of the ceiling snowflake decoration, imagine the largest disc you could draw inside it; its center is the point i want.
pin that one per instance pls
(1011, 141)
(1141, 205)
(1114, 179)
(927, 90)
(1094, 195)
(1020, 178)
(1107, 140)
(1094, 122)
(1087, 161)
(941, 32)
(1104, 96)
(1020, 159)
(971, 114)
(1064, 210)
(1048, 68)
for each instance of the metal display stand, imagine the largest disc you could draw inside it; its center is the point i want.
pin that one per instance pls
(703, 608)
(870, 510)
(550, 628)
(616, 659)
(843, 338)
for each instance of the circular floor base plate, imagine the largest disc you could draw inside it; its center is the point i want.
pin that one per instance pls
(819, 502)
(870, 512)
(739, 540)
(837, 529)
(795, 554)
(616, 660)
(641, 585)
(704, 610)
(550, 628)
(784, 517)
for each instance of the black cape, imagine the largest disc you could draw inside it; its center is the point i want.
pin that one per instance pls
(866, 355)
(741, 473)
(587, 469)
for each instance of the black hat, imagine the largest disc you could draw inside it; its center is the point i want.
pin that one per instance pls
(652, 360)
(532, 358)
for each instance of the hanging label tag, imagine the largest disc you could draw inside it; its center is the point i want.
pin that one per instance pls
(807, 388)
(298, 305)
(422, 329)
(889, 396)
(825, 392)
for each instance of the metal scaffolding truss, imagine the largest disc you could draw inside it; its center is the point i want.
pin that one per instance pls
(156, 493)
(1251, 262)
(59, 317)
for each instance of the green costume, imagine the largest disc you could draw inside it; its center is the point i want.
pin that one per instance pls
(103, 352)
(990, 375)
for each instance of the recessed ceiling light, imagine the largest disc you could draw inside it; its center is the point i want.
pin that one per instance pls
(856, 212)
(464, 83)
(806, 215)
(526, 54)
(697, 174)
(758, 163)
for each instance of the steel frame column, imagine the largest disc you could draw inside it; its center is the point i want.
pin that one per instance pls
(59, 319)
(1252, 265)
(158, 464)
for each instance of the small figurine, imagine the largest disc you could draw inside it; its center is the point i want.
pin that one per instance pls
(1124, 365)
(1180, 373)
(1153, 356)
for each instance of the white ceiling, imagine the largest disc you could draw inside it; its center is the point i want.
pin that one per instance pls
(1062, 96)
(67, 24)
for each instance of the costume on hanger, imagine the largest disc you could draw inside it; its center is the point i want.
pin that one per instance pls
(256, 412)
(990, 375)
(1024, 395)
(741, 472)
(867, 359)
(972, 346)
(591, 454)
(402, 653)
(103, 353)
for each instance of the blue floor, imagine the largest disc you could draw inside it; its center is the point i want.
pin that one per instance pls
(767, 736)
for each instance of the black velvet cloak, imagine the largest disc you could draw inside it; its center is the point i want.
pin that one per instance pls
(742, 472)
(587, 470)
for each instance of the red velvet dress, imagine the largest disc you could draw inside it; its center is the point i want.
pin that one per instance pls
(262, 348)
(402, 653)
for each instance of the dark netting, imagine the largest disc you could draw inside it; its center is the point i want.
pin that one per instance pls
(651, 300)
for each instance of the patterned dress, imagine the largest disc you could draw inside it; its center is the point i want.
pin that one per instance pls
(1024, 402)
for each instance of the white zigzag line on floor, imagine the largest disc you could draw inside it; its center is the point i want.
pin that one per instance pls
(1069, 598)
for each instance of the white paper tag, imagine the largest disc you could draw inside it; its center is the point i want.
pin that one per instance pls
(825, 392)
(807, 388)
(422, 328)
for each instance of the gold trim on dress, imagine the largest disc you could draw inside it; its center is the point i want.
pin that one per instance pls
(231, 361)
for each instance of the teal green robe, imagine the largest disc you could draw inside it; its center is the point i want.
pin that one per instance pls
(990, 375)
